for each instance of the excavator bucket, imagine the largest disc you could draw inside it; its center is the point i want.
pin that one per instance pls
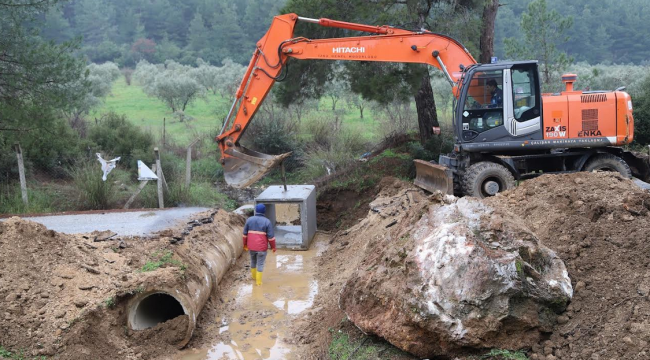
(433, 177)
(244, 166)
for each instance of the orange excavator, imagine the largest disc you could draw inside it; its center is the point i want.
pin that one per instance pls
(505, 128)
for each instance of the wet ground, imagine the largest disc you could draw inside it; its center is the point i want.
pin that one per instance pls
(130, 223)
(259, 317)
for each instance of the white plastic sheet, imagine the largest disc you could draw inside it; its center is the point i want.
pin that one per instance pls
(107, 166)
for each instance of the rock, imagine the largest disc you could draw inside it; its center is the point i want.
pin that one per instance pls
(628, 340)
(562, 319)
(452, 292)
(86, 286)
(80, 303)
(59, 314)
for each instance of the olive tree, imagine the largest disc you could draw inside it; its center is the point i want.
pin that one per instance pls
(171, 83)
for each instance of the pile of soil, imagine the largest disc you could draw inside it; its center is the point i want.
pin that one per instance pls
(598, 223)
(66, 295)
(336, 265)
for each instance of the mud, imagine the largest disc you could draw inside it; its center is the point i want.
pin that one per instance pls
(66, 295)
(599, 224)
(254, 322)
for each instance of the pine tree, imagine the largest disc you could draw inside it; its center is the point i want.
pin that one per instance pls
(543, 30)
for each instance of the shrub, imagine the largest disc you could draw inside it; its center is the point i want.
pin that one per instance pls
(396, 118)
(345, 148)
(128, 75)
(274, 133)
(115, 135)
(641, 100)
(94, 193)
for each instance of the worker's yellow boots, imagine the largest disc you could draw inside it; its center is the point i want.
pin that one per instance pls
(254, 273)
(258, 279)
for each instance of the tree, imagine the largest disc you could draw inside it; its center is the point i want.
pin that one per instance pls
(94, 20)
(642, 113)
(172, 84)
(94, 86)
(198, 34)
(37, 76)
(487, 31)
(143, 49)
(543, 31)
(382, 82)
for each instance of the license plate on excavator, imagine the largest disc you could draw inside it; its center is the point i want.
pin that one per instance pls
(433, 177)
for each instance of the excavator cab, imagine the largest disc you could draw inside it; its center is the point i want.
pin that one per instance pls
(497, 103)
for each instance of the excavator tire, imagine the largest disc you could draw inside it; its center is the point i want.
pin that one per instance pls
(608, 162)
(485, 179)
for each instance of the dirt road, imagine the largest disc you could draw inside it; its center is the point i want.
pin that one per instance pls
(131, 223)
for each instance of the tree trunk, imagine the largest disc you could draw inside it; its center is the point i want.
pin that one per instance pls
(361, 111)
(426, 107)
(424, 101)
(487, 30)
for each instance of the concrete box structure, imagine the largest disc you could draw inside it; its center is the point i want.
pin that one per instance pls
(297, 237)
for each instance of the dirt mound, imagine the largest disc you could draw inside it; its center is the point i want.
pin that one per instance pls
(598, 223)
(66, 295)
(335, 266)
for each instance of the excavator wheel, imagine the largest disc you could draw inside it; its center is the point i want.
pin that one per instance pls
(485, 179)
(608, 162)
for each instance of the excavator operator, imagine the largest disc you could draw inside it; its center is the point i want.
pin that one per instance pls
(495, 93)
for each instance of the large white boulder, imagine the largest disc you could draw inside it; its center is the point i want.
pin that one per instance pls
(461, 278)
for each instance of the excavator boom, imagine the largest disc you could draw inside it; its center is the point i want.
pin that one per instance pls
(242, 166)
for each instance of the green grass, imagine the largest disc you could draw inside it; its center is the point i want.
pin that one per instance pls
(206, 114)
(160, 259)
(17, 355)
(343, 347)
(149, 112)
(499, 354)
(40, 199)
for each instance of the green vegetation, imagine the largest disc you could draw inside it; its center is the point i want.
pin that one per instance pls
(161, 259)
(19, 355)
(499, 354)
(543, 30)
(110, 302)
(343, 347)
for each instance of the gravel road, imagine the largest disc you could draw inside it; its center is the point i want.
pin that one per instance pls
(131, 223)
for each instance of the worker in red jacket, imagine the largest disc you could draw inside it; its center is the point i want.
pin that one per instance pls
(258, 234)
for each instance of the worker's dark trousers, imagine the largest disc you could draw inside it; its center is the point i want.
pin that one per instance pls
(257, 260)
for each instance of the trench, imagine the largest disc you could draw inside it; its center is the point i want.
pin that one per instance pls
(259, 318)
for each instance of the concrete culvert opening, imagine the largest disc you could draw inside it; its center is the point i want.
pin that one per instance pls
(155, 309)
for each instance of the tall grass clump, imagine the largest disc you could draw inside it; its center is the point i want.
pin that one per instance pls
(94, 193)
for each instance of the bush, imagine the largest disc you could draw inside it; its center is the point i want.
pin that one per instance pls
(396, 118)
(346, 147)
(641, 101)
(115, 135)
(94, 193)
(274, 133)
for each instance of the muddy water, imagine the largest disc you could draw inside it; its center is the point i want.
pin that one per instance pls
(259, 325)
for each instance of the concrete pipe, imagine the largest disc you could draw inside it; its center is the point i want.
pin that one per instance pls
(208, 256)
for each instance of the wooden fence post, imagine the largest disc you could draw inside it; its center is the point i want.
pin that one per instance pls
(21, 173)
(161, 203)
(188, 164)
(140, 187)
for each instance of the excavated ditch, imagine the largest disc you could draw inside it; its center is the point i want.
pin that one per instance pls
(74, 298)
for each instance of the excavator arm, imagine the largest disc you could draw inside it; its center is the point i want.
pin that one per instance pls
(242, 166)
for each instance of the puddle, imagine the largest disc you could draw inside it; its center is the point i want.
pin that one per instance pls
(257, 329)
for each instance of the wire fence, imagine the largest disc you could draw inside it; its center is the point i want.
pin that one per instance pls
(37, 184)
